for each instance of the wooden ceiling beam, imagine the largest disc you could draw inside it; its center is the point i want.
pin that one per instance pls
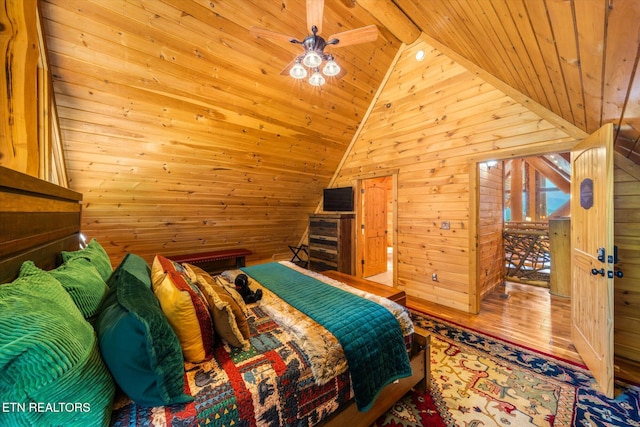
(393, 18)
(548, 171)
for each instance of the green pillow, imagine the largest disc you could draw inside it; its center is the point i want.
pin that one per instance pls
(95, 253)
(84, 284)
(50, 363)
(136, 341)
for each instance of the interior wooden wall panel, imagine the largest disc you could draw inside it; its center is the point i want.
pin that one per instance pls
(144, 88)
(627, 238)
(490, 222)
(425, 146)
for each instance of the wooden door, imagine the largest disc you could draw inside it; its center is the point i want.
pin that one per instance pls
(592, 254)
(375, 227)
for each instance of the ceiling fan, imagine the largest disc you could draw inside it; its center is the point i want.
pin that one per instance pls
(314, 45)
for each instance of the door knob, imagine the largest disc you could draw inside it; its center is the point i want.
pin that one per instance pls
(595, 271)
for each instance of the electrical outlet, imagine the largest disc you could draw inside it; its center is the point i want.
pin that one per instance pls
(434, 277)
(445, 225)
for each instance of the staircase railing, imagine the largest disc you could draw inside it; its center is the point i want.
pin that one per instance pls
(527, 258)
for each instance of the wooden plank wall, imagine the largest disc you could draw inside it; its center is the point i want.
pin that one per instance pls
(182, 134)
(627, 238)
(490, 223)
(431, 121)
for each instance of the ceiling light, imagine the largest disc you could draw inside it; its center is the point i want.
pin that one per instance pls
(316, 78)
(331, 68)
(491, 163)
(312, 59)
(298, 71)
(420, 55)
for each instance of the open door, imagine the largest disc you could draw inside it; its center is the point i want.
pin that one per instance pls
(592, 254)
(375, 226)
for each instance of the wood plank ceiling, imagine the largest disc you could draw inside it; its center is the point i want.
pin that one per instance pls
(179, 127)
(576, 58)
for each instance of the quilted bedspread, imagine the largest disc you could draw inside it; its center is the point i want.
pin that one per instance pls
(294, 374)
(370, 334)
(269, 385)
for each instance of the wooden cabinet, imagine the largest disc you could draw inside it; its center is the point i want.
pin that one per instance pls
(331, 242)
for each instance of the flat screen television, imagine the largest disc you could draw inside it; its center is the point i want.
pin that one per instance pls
(338, 199)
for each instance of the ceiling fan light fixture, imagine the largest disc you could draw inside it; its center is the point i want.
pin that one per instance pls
(312, 59)
(316, 78)
(298, 71)
(331, 68)
(313, 45)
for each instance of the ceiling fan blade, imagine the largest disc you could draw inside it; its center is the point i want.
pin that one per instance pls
(359, 35)
(315, 9)
(268, 34)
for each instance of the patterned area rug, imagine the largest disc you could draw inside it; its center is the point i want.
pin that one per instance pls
(478, 380)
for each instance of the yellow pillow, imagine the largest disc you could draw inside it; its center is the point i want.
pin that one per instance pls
(185, 308)
(229, 319)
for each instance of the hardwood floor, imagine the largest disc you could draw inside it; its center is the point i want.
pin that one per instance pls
(526, 315)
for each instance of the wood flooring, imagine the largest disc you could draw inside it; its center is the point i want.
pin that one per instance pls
(526, 315)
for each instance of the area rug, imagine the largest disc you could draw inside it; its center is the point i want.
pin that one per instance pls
(479, 380)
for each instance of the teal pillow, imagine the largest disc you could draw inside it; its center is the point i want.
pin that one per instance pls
(84, 284)
(95, 253)
(136, 341)
(49, 356)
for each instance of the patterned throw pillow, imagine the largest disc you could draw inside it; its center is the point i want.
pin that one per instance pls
(186, 309)
(49, 356)
(95, 253)
(229, 319)
(137, 343)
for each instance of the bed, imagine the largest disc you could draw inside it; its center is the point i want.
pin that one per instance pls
(39, 228)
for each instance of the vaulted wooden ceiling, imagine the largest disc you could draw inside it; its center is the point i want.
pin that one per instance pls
(577, 58)
(175, 117)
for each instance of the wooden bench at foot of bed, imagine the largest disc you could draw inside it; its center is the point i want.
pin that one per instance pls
(215, 261)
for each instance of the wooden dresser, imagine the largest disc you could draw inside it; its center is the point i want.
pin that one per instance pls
(331, 242)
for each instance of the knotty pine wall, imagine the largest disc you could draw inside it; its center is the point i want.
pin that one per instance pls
(627, 237)
(431, 121)
(180, 130)
(490, 225)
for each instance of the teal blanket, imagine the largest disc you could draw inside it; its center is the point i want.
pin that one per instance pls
(369, 333)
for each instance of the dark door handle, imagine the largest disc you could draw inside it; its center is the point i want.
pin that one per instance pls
(595, 271)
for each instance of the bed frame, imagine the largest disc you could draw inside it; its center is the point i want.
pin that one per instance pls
(38, 220)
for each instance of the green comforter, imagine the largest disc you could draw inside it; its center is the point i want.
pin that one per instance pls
(369, 334)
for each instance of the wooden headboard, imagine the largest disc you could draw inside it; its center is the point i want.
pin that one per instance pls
(38, 219)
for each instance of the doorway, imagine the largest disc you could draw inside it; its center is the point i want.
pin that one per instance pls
(591, 246)
(523, 203)
(376, 233)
